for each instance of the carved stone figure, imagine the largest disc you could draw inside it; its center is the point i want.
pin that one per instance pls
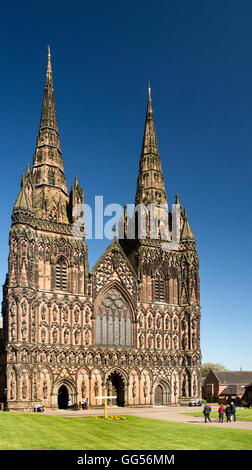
(83, 388)
(24, 389)
(77, 336)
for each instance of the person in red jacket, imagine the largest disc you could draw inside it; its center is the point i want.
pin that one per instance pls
(221, 413)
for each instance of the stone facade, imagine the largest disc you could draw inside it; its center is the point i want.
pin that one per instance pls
(131, 325)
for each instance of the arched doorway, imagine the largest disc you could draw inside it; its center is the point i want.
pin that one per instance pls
(158, 395)
(115, 386)
(63, 397)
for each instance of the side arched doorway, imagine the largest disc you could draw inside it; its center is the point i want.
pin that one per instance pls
(115, 386)
(63, 397)
(158, 400)
(162, 394)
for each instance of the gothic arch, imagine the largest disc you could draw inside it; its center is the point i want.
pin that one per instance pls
(160, 271)
(115, 284)
(162, 392)
(14, 368)
(116, 382)
(71, 388)
(146, 371)
(83, 370)
(47, 369)
(119, 371)
(24, 368)
(96, 369)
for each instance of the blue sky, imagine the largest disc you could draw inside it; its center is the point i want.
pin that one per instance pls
(198, 58)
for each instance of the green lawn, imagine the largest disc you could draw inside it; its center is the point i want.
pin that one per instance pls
(243, 414)
(23, 431)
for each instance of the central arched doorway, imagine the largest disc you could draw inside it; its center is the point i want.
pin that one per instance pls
(63, 397)
(115, 386)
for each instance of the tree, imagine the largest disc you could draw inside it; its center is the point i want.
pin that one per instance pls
(207, 366)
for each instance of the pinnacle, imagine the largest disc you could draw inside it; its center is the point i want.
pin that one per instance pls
(186, 230)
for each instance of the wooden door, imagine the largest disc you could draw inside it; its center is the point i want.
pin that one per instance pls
(159, 395)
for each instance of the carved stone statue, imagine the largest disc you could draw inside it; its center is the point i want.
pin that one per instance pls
(24, 389)
(145, 388)
(77, 336)
(87, 337)
(24, 308)
(83, 388)
(96, 388)
(55, 335)
(45, 389)
(66, 334)
(24, 331)
(134, 388)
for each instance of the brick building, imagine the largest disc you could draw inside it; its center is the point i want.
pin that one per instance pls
(248, 394)
(131, 324)
(225, 385)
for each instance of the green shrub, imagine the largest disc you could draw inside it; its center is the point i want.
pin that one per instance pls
(244, 404)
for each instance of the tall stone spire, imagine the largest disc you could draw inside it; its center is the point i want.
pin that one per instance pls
(48, 113)
(150, 183)
(50, 195)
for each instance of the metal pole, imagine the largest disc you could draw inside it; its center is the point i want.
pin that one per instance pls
(105, 405)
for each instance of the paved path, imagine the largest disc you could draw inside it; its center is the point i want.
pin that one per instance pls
(164, 413)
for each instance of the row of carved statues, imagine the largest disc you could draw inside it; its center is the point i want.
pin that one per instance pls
(102, 359)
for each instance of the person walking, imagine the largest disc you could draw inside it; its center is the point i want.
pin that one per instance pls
(233, 410)
(206, 412)
(221, 413)
(228, 413)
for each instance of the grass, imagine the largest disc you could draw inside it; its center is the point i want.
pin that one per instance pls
(23, 431)
(243, 414)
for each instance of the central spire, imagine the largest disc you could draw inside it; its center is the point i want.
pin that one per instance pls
(150, 183)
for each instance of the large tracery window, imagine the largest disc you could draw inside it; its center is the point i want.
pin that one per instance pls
(113, 320)
(61, 274)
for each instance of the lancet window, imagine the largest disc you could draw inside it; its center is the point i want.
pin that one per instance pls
(61, 274)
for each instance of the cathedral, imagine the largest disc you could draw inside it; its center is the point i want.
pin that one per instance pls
(130, 326)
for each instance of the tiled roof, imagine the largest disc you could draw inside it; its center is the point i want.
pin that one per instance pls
(234, 377)
(233, 390)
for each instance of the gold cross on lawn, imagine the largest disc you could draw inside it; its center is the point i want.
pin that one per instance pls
(106, 397)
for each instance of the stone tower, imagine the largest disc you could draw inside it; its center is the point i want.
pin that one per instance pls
(131, 325)
(168, 303)
(47, 280)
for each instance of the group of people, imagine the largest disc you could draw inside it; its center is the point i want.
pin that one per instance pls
(84, 404)
(74, 406)
(229, 411)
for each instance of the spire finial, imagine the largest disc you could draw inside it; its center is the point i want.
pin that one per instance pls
(149, 89)
(49, 52)
(114, 229)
